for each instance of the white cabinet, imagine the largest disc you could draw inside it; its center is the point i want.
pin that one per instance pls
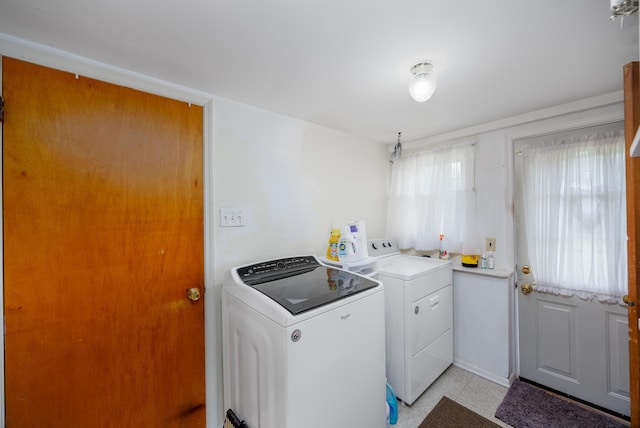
(483, 323)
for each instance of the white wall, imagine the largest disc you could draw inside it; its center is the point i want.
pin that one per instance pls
(294, 180)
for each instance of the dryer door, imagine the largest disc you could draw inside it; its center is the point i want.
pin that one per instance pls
(430, 318)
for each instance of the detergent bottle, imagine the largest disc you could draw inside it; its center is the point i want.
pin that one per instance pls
(444, 255)
(347, 247)
(392, 405)
(332, 250)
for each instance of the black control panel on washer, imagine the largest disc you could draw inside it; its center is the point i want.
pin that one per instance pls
(275, 269)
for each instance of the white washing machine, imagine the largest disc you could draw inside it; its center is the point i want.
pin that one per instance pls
(419, 317)
(303, 345)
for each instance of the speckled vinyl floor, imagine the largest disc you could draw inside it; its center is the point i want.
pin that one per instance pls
(472, 391)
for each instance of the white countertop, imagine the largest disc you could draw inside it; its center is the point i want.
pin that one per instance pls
(498, 273)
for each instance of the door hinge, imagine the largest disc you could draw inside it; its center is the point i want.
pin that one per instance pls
(1, 109)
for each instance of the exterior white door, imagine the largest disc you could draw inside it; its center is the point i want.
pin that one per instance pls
(571, 345)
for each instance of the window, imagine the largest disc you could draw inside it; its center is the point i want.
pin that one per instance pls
(432, 193)
(575, 215)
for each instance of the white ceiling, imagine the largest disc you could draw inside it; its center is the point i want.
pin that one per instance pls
(345, 64)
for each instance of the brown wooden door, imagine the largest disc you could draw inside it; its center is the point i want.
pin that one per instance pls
(631, 121)
(103, 236)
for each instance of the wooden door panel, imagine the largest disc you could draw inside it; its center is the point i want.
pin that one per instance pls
(103, 235)
(631, 75)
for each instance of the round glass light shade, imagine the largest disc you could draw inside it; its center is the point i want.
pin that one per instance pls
(423, 82)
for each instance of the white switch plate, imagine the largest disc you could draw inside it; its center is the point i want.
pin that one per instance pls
(232, 217)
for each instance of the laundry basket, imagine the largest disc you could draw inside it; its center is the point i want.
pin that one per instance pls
(232, 421)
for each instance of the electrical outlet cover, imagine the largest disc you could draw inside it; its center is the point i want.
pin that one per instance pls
(491, 244)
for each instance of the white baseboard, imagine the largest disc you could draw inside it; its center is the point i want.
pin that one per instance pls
(500, 380)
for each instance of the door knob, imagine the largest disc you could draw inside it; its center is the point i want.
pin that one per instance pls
(626, 300)
(526, 269)
(526, 289)
(193, 294)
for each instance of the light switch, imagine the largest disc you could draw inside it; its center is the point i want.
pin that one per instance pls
(232, 217)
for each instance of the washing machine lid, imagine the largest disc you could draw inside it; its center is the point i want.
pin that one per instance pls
(408, 267)
(301, 283)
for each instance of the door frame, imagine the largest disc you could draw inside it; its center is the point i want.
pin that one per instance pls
(49, 57)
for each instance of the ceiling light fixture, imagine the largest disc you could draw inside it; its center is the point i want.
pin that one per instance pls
(423, 81)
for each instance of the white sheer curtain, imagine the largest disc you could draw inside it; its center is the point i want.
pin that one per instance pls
(574, 200)
(432, 193)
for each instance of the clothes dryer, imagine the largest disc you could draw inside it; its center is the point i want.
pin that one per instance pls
(418, 319)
